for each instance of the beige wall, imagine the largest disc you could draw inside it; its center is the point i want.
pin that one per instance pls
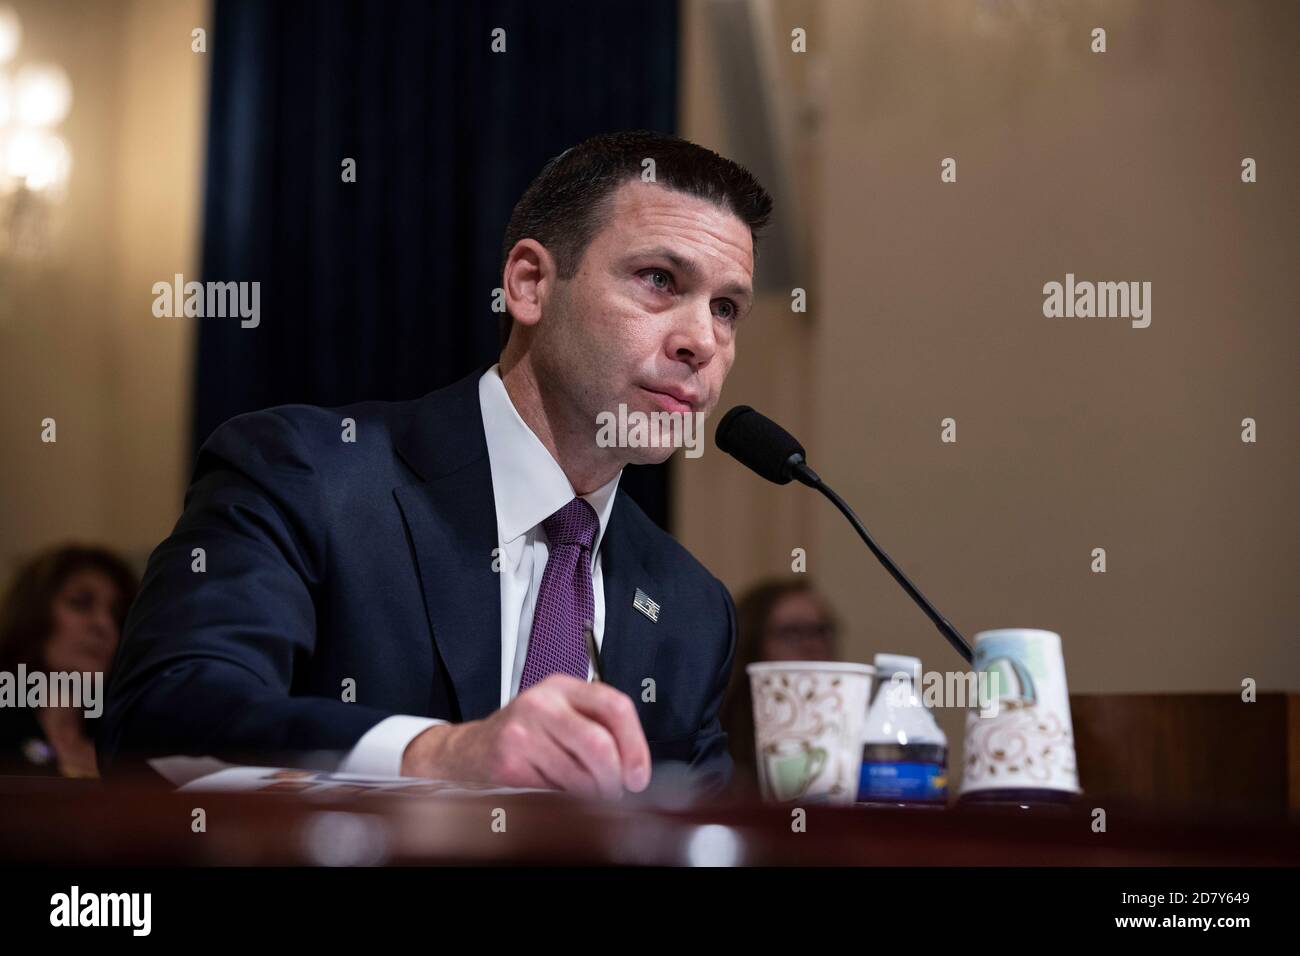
(740, 526)
(1073, 434)
(79, 342)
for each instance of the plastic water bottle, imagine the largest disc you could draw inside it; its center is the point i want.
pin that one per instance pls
(904, 753)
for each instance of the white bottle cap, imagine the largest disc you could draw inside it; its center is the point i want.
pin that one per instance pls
(887, 665)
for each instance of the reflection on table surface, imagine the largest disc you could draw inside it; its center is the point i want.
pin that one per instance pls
(45, 820)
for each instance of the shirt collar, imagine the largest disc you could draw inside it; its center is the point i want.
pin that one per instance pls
(528, 484)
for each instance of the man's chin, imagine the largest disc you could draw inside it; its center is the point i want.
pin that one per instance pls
(646, 435)
(648, 456)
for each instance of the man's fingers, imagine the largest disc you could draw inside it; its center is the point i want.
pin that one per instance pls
(615, 711)
(557, 766)
(589, 744)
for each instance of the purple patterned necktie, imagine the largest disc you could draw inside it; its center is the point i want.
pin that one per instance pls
(558, 643)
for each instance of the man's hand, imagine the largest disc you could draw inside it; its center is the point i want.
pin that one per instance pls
(562, 733)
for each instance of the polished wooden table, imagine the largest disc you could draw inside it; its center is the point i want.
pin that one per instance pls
(117, 824)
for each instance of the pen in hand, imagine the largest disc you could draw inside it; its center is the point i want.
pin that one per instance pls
(591, 650)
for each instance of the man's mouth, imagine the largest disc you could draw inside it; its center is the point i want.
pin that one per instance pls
(672, 399)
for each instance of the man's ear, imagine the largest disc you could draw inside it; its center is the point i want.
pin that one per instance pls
(529, 278)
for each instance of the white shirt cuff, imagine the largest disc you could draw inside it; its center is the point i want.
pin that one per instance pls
(379, 751)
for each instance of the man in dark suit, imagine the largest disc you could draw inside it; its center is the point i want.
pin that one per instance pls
(414, 586)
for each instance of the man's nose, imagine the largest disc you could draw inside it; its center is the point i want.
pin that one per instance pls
(692, 339)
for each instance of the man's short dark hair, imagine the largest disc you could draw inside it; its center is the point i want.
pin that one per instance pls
(569, 201)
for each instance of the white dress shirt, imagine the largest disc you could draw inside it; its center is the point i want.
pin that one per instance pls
(529, 486)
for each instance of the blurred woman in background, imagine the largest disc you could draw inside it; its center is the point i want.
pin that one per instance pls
(63, 612)
(776, 620)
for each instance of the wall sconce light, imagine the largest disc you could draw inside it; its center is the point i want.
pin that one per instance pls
(35, 161)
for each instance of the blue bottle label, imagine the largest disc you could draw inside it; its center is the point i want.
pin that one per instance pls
(897, 780)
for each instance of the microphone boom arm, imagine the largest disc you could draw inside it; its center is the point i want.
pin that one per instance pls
(800, 471)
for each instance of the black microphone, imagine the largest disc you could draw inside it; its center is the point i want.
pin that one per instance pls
(763, 446)
(760, 444)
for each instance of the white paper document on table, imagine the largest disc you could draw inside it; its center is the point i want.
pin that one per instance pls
(208, 775)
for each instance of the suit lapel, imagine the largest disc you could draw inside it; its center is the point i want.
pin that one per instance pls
(453, 530)
(451, 520)
(629, 642)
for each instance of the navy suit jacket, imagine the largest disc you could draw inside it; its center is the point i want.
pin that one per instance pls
(371, 560)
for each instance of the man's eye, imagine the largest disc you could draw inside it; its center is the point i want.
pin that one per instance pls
(729, 310)
(657, 274)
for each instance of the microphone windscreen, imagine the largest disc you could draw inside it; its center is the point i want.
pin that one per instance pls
(758, 443)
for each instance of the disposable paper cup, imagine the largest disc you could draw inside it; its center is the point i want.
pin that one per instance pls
(1023, 747)
(808, 721)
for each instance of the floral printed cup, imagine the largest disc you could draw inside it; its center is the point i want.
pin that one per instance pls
(1023, 746)
(808, 720)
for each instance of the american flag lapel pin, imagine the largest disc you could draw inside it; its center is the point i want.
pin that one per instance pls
(646, 605)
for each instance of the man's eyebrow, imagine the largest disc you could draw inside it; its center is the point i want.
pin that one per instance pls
(688, 267)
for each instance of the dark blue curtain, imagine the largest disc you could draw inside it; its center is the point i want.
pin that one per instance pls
(382, 288)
